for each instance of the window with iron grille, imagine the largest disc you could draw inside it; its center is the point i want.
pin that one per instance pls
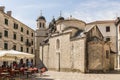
(15, 26)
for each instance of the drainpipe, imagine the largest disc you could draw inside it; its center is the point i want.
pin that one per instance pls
(42, 53)
(86, 63)
(117, 45)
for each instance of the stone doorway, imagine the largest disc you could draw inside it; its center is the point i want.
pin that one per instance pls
(58, 61)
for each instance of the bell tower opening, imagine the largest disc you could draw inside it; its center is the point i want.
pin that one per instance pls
(41, 21)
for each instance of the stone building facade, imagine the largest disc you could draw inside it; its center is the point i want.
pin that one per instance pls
(108, 29)
(98, 52)
(71, 45)
(111, 32)
(65, 53)
(14, 34)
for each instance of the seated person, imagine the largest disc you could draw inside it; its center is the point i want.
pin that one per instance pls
(15, 65)
(5, 65)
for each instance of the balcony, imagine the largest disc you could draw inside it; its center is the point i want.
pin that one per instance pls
(28, 44)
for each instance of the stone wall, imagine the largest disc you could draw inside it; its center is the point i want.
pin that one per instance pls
(98, 56)
(69, 57)
(113, 62)
(60, 58)
(78, 54)
(46, 55)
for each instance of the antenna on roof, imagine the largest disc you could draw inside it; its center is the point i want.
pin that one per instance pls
(60, 13)
(40, 12)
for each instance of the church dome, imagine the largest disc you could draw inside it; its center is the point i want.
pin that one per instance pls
(61, 18)
(41, 17)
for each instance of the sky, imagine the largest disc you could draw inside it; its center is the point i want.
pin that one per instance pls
(27, 11)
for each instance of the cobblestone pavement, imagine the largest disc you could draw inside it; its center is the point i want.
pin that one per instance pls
(53, 75)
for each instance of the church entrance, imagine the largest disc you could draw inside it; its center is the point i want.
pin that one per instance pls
(58, 61)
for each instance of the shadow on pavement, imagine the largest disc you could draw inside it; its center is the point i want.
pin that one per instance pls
(101, 72)
(43, 79)
(45, 75)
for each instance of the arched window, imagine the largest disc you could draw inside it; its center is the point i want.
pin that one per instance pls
(43, 25)
(40, 25)
(57, 44)
(27, 60)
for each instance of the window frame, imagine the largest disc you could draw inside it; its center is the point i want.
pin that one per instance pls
(15, 26)
(27, 50)
(14, 47)
(21, 39)
(6, 45)
(32, 42)
(57, 44)
(108, 39)
(5, 33)
(0, 34)
(32, 50)
(40, 25)
(32, 34)
(21, 29)
(6, 21)
(107, 28)
(14, 36)
(27, 32)
(21, 48)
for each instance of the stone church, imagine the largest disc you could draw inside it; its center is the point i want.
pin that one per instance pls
(68, 45)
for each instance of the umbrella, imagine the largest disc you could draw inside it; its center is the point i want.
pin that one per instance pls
(7, 59)
(18, 54)
(12, 54)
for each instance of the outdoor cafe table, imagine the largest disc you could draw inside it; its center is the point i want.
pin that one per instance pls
(16, 72)
(4, 74)
(28, 72)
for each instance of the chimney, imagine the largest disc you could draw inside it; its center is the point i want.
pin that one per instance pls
(2, 8)
(9, 13)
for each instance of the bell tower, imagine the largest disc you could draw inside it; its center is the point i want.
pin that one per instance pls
(40, 35)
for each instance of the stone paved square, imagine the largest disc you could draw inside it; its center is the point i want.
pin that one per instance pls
(53, 75)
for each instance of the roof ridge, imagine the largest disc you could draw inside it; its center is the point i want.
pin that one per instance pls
(101, 21)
